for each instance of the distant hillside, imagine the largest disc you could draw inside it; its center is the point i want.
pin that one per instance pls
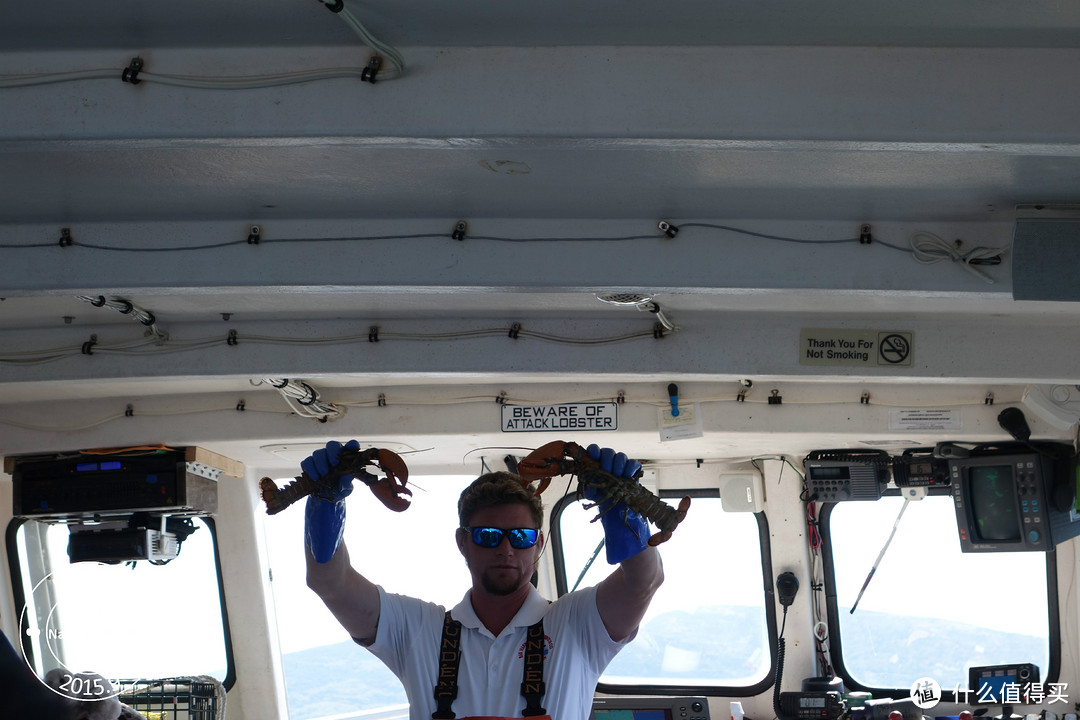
(719, 642)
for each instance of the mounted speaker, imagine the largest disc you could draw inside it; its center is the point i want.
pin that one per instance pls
(742, 492)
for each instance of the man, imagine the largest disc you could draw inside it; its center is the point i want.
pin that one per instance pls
(504, 651)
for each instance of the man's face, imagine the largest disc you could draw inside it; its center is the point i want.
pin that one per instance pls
(501, 570)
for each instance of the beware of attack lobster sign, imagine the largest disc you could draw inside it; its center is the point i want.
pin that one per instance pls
(559, 418)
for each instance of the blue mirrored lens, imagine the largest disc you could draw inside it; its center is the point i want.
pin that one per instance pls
(520, 538)
(487, 537)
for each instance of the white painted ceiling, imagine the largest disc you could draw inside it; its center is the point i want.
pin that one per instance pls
(553, 130)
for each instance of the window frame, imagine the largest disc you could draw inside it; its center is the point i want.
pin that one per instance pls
(19, 592)
(833, 611)
(768, 594)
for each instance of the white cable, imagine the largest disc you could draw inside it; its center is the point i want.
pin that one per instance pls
(926, 247)
(126, 307)
(304, 399)
(375, 44)
(203, 82)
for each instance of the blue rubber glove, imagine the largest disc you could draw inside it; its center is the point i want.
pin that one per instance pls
(324, 515)
(625, 532)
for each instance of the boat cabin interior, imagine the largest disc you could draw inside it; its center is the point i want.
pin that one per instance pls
(812, 264)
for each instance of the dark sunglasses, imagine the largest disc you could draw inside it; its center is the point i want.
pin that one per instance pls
(489, 537)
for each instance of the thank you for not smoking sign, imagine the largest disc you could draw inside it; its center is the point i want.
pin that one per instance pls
(557, 418)
(855, 348)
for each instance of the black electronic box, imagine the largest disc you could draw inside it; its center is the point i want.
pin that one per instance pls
(838, 475)
(92, 484)
(1014, 498)
(819, 705)
(650, 708)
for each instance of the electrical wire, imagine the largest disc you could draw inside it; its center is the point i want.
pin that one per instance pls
(303, 399)
(199, 82)
(928, 248)
(766, 236)
(126, 307)
(167, 344)
(374, 43)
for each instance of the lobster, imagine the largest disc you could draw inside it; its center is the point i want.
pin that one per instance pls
(569, 458)
(390, 490)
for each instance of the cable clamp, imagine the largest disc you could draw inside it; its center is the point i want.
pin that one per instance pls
(658, 330)
(99, 301)
(373, 334)
(620, 399)
(382, 399)
(284, 382)
(667, 228)
(501, 398)
(334, 7)
(311, 398)
(125, 306)
(65, 237)
(241, 406)
(741, 397)
(989, 399)
(460, 229)
(253, 235)
(515, 329)
(88, 346)
(131, 72)
(865, 399)
(775, 398)
(864, 234)
(232, 339)
(130, 411)
(374, 64)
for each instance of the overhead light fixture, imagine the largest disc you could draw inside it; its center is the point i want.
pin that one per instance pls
(641, 302)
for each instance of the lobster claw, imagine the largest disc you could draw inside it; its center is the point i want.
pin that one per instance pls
(391, 489)
(546, 462)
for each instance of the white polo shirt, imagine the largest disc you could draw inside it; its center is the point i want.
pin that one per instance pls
(489, 676)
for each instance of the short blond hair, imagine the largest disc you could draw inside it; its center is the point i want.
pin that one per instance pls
(498, 488)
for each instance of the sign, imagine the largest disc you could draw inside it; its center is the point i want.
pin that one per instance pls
(855, 348)
(925, 419)
(687, 425)
(558, 418)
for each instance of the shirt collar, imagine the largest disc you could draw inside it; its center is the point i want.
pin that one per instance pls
(534, 608)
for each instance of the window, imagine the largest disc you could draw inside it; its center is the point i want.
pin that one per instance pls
(707, 626)
(930, 610)
(409, 553)
(124, 621)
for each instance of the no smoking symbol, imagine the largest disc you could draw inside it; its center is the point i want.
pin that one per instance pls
(894, 349)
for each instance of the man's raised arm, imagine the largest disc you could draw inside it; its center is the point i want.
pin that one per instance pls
(624, 596)
(352, 598)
